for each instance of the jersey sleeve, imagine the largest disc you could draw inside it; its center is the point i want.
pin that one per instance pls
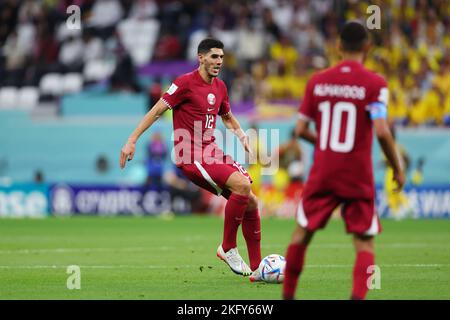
(378, 100)
(225, 105)
(176, 93)
(306, 110)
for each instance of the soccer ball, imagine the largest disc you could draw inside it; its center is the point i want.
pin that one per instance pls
(272, 268)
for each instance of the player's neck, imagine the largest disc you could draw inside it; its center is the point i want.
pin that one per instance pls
(205, 76)
(358, 57)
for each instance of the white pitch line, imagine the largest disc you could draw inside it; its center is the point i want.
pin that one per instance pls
(169, 248)
(405, 265)
(97, 267)
(70, 250)
(331, 266)
(378, 245)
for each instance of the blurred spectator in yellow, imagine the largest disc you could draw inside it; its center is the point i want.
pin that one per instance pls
(254, 160)
(290, 152)
(397, 200)
(277, 82)
(296, 82)
(428, 109)
(417, 174)
(283, 52)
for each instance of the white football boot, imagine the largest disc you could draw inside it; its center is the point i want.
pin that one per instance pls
(233, 259)
(255, 276)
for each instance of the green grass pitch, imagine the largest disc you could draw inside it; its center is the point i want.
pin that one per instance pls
(156, 258)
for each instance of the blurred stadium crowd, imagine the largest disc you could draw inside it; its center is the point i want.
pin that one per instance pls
(272, 47)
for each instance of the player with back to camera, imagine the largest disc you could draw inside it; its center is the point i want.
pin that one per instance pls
(346, 102)
(197, 98)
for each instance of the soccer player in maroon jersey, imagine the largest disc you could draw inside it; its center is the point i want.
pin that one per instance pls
(346, 102)
(197, 99)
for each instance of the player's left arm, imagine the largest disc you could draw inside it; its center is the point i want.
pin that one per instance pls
(377, 108)
(231, 123)
(303, 131)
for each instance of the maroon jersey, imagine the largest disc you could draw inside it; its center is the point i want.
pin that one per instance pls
(342, 101)
(196, 105)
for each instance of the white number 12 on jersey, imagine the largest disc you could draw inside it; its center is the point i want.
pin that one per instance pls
(336, 120)
(209, 121)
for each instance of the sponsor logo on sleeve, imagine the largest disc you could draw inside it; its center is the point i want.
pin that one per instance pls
(172, 89)
(384, 95)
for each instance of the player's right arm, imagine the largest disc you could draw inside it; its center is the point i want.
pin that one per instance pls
(306, 115)
(173, 97)
(302, 131)
(127, 152)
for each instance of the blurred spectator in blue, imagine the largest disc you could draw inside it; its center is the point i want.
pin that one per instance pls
(38, 177)
(101, 164)
(185, 195)
(156, 153)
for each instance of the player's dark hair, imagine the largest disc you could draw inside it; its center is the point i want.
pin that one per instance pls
(353, 36)
(207, 44)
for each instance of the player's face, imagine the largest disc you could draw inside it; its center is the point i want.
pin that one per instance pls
(212, 61)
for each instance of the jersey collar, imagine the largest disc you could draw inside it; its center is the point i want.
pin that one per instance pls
(350, 63)
(199, 78)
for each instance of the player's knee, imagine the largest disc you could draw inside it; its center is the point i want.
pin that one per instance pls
(363, 243)
(252, 203)
(301, 236)
(242, 187)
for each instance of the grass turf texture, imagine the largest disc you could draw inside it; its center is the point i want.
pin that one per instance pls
(155, 258)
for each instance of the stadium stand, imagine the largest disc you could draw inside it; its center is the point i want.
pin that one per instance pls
(271, 45)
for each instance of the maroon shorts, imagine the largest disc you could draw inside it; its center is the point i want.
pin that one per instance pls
(359, 215)
(213, 177)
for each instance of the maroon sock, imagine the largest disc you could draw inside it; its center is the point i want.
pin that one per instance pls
(295, 257)
(364, 259)
(234, 213)
(251, 228)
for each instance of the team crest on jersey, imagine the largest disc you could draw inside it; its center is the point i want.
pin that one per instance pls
(211, 99)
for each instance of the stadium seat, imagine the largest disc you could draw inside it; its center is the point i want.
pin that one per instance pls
(194, 40)
(228, 37)
(63, 32)
(139, 38)
(8, 97)
(72, 83)
(51, 84)
(28, 97)
(97, 70)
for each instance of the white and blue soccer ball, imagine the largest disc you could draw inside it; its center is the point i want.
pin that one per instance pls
(272, 268)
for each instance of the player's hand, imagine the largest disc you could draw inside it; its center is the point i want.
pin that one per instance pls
(399, 177)
(127, 153)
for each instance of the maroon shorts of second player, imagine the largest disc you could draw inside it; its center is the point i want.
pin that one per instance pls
(213, 177)
(359, 215)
